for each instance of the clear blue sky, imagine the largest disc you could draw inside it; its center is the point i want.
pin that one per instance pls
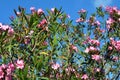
(69, 6)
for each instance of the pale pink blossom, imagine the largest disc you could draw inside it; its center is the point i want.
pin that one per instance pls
(1, 73)
(86, 50)
(97, 23)
(118, 12)
(18, 13)
(97, 69)
(55, 66)
(8, 77)
(80, 20)
(4, 27)
(43, 22)
(31, 32)
(109, 21)
(68, 16)
(74, 48)
(40, 11)
(119, 19)
(95, 42)
(91, 48)
(9, 71)
(82, 11)
(96, 57)
(85, 76)
(20, 64)
(10, 31)
(3, 66)
(115, 58)
(11, 66)
(110, 48)
(52, 10)
(32, 8)
(111, 10)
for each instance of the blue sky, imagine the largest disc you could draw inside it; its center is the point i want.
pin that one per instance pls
(69, 6)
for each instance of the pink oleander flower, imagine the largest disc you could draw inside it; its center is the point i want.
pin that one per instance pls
(20, 64)
(45, 43)
(55, 66)
(10, 31)
(118, 12)
(87, 50)
(68, 16)
(82, 11)
(43, 22)
(110, 48)
(74, 48)
(80, 20)
(119, 19)
(4, 27)
(3, 66)
(91, 48)
(97, 23)
(109, 21)
(8, 77)
(0, 24)
(95, 42)
(18, 13)
(32, 8)
(97, 69)
(31, 32)
(115, 58)
(1, 73)
(52, 10)
(96, 57)
(111, 10)
(9, 71)
(117, 45)
(85, 76)
(40, 11)
(11, 66)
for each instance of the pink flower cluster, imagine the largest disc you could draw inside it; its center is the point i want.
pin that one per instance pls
(74, 48)
(90, 49)
(6, 70)
(6, 28)
(84, 77)
(96, 57)
(92, 42)
(93, 48)
(115, 44)
(20, 64)
(80, 20)
(55, 66)
(112, 10)
(114, 16)
(82, 11)
(42, 23)
(39, 11)
(109, 22)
